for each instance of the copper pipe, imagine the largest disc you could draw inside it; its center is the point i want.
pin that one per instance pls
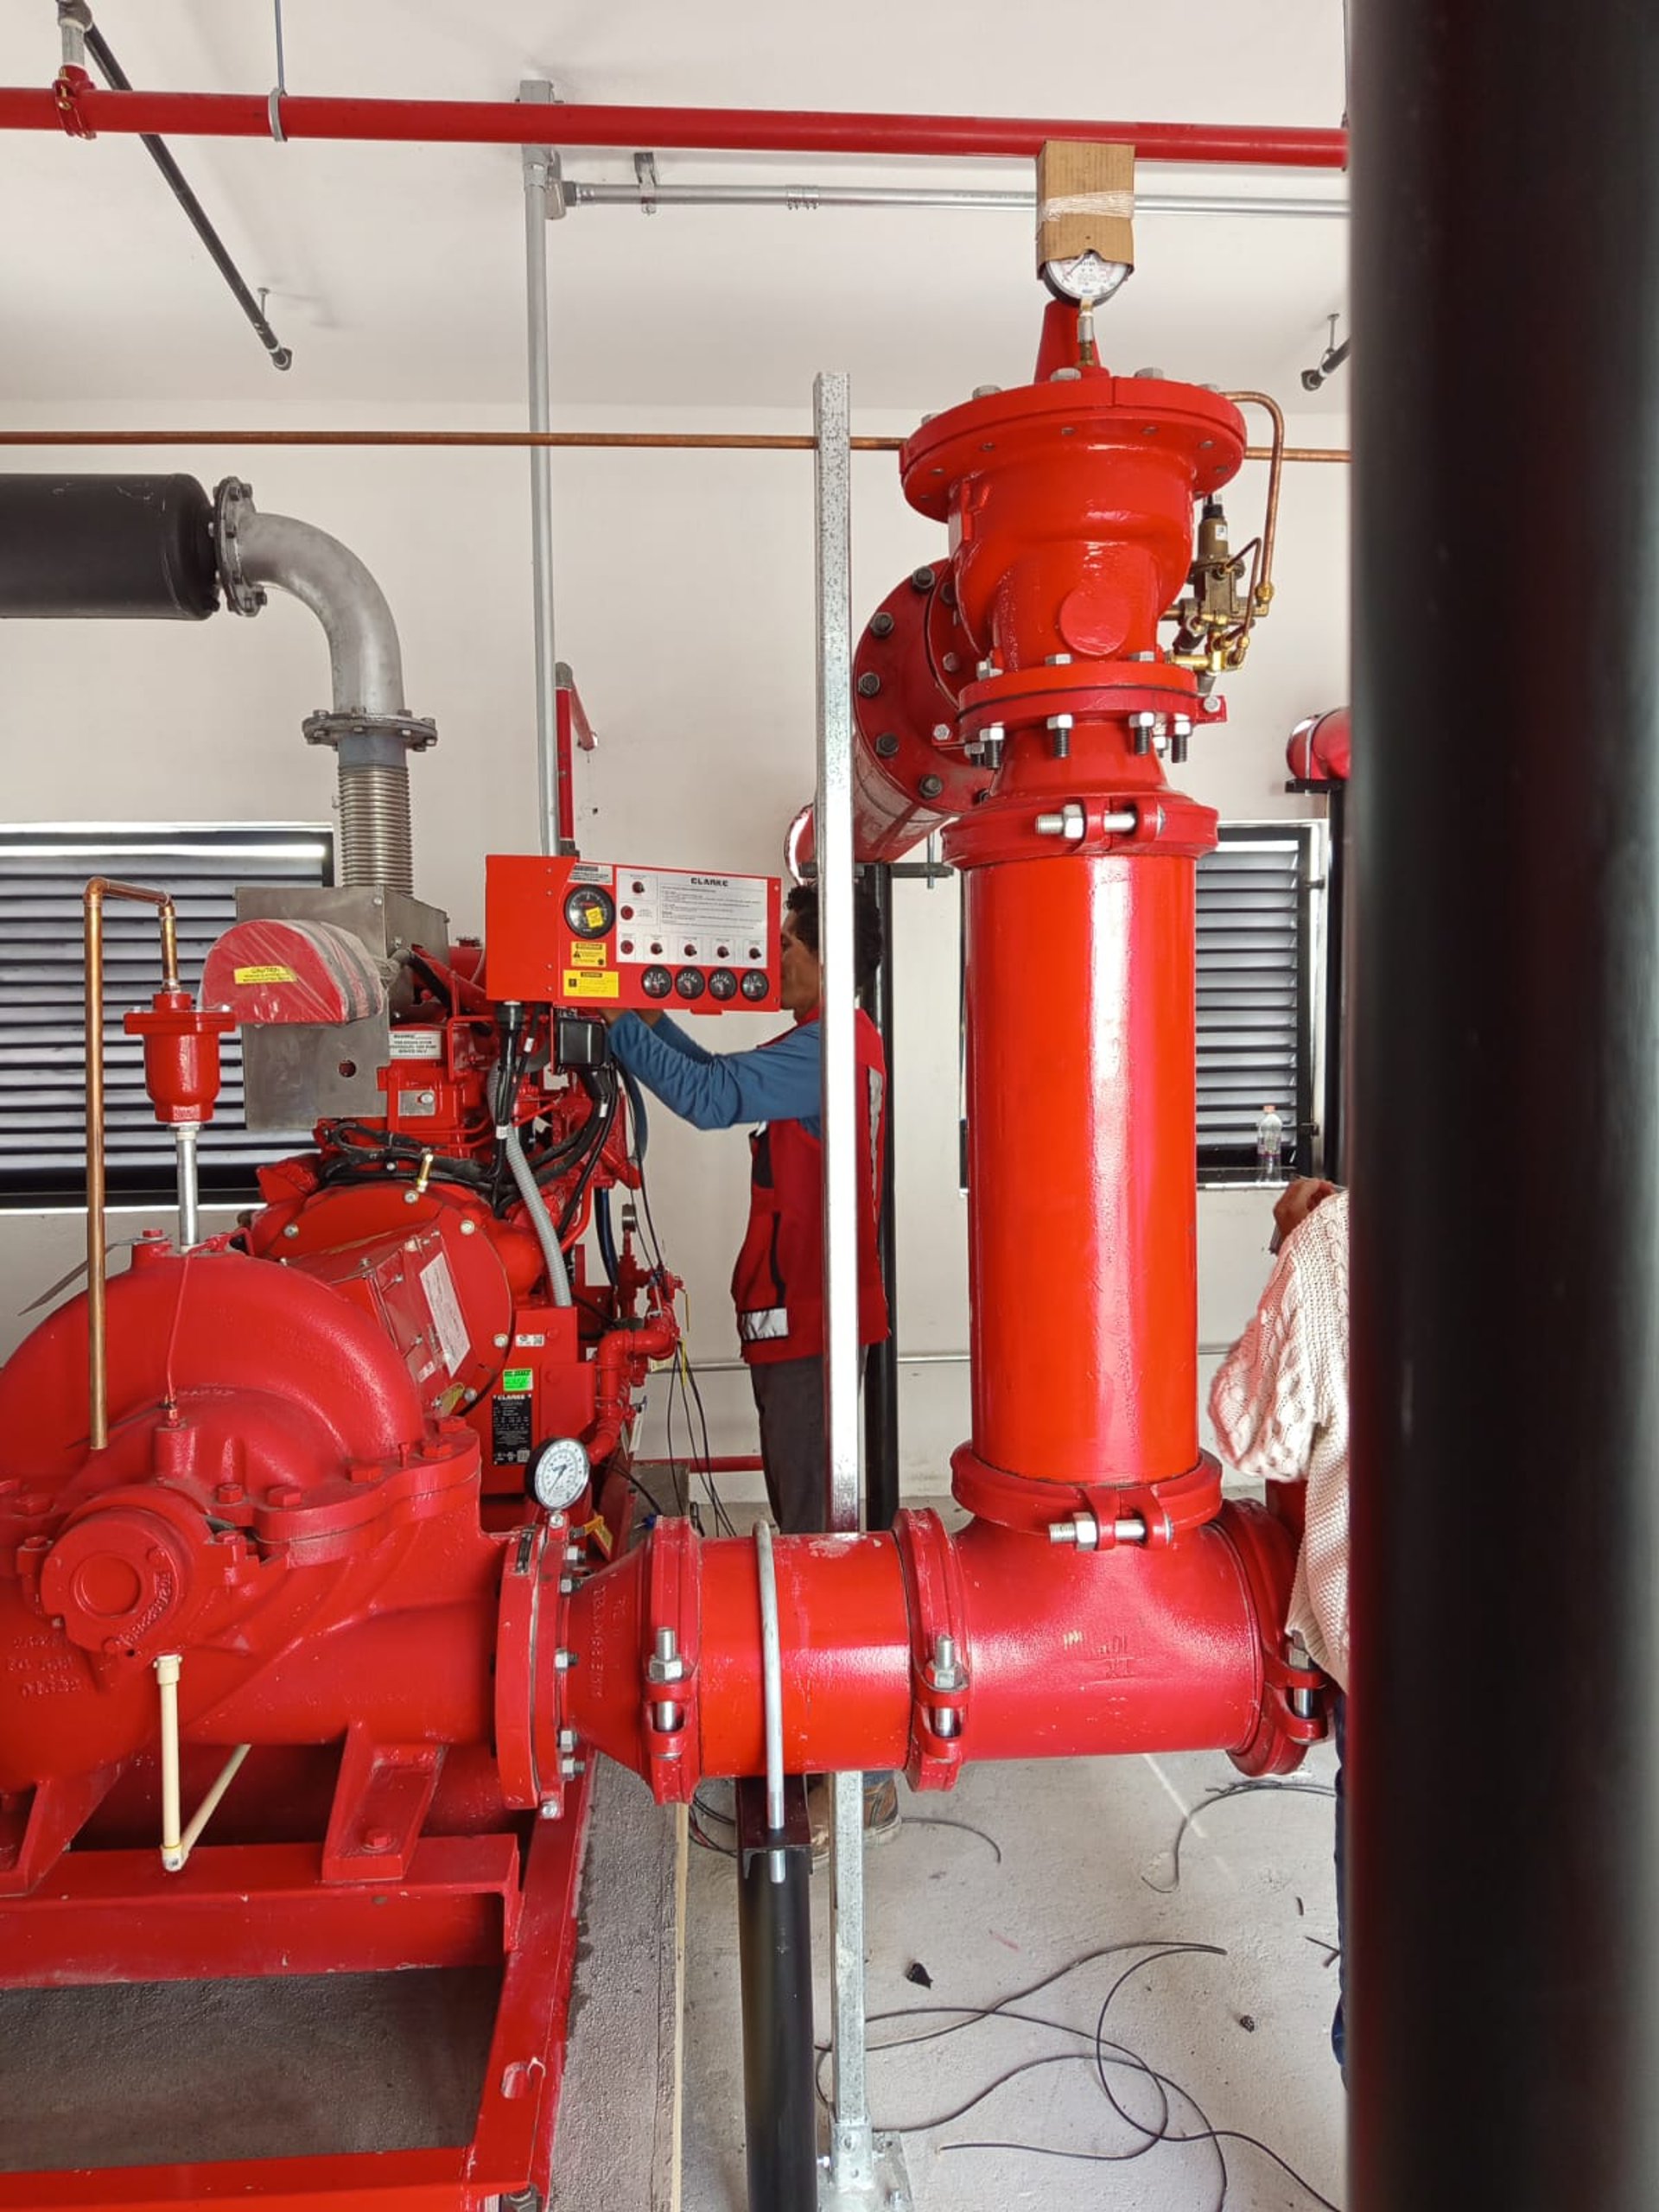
(1276, 457)
(99, 889)
(510, 441)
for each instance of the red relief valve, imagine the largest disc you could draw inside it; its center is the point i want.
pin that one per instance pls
(181, 1071)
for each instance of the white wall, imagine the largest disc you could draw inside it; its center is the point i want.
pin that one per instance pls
(684, 601)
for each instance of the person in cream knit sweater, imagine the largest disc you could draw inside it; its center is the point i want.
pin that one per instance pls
(1280, 1407)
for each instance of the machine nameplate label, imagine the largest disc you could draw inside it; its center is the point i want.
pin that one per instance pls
(509, 1432)
(591, 872)
(440, 1287)
(417, 1045)
(517, 1379)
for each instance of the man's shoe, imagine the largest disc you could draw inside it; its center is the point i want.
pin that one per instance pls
(880, 1809)
(880, 1813)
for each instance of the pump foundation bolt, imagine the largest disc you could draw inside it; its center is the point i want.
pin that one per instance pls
(1069, 821)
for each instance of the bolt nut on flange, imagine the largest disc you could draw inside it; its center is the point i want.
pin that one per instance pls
(1060, 732)
(1083, 1530)
(1069, 821)
(1141, 726)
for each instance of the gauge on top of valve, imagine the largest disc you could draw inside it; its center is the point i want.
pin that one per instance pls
(588, 911)
(557, 1473)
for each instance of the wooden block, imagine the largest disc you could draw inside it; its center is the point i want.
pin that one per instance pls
(1085, 202)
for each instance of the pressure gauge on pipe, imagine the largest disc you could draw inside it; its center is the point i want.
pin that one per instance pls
(557, 1473)
(1085, 278)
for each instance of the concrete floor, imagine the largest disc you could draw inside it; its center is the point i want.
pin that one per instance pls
(1068, 1860)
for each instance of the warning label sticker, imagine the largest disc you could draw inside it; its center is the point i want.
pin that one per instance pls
(264, 975)
(588, 984)
(587, 956)
(440, 1287)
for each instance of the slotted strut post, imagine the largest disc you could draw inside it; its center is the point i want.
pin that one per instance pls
(852, 2179)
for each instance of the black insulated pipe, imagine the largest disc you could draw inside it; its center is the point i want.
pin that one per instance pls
(881, 1361)
(73, 546)
(1504, 2035)
(774, 1932)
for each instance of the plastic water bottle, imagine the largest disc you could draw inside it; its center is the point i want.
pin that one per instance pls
(1269, 1143)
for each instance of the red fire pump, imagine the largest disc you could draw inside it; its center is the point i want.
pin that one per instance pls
(275, 1592)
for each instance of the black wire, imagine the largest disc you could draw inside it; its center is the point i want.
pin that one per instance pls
(651, 1500)
(1104, 2051)
(605, 1097)
(1220, 1797)
(931, 1821)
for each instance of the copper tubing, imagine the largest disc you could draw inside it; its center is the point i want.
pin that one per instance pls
(1276, 456)
(99, 889)
(647, 441)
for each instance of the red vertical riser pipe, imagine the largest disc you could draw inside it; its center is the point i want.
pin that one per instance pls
(1081, 1110)
(1070, 502)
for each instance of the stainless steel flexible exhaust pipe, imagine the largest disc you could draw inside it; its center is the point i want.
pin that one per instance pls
(368, 723)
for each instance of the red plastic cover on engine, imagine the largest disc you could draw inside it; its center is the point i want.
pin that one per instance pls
(278, 971)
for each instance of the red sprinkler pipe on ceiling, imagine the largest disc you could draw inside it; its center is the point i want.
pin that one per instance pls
(73, 104)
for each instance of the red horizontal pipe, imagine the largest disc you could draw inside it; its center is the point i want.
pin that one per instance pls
(729, 1463)
(702, 129)
(1068, 1654)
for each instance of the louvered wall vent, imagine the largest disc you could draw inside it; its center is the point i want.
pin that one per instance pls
(1256, 950)
(43, 871)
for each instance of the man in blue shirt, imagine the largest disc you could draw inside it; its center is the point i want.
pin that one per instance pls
(778, 1284)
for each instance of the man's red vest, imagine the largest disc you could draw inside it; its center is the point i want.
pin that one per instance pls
(778, 1284)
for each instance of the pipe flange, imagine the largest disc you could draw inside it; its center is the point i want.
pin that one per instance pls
(414, 733)
(232, 504)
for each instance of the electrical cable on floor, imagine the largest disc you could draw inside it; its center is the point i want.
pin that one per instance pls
(933, 1821)
(1220, 1797)
(1103, 2052)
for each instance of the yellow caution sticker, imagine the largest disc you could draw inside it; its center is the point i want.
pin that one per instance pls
(584, 983)
(588, 955)
(264, 975)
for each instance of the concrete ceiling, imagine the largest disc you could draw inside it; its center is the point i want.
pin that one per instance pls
(396, 272)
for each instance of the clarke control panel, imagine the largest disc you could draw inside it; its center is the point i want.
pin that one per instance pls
(572, 932)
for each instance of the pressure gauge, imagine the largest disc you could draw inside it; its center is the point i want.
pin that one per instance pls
(588, 911)
(557, 1473)
(1086, 277)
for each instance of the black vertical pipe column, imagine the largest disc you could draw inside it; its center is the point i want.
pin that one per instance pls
(881, 1362)
(1504, 1982)
(775, 1965)
(1333, 1121)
